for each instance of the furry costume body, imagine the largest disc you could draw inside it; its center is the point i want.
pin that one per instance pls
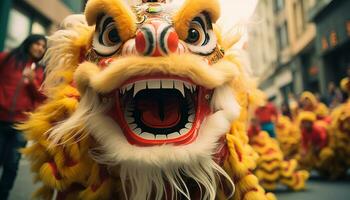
(316, 151)
(340, 141)
(288, 135)
(310, 103)
(333, 159)
(104, 132)
(272, 168)
(345, 85)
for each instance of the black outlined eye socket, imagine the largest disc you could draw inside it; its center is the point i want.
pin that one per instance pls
(201, 38)
(196, 35)
(106, 40)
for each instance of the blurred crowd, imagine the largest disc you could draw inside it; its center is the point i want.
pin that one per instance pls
(310, 130)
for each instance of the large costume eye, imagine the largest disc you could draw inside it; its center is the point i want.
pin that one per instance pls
(106, 39)
(201, 38)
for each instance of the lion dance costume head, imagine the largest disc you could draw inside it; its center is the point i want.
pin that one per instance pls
(141, 101)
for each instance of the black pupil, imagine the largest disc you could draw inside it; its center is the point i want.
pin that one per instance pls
(113, 36)
(193, 35)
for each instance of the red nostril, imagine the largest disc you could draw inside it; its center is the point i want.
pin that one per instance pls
(172, 41)
(156, 39)
(140, 42)
(145, 40)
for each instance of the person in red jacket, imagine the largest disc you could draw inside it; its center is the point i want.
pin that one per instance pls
(266, 115)
(254, 128)
(20, 80)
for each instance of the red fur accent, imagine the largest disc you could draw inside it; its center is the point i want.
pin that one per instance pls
(55, 170)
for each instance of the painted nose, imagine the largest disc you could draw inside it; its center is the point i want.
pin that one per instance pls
(156, 38)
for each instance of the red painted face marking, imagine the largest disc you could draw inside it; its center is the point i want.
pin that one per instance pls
(173, 41)
(155, 38)
(105, 62)
(140, 42)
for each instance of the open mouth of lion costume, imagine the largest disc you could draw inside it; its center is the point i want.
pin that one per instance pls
(156, 110)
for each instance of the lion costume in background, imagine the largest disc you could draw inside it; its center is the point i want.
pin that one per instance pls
(288, 135)
(141, 101)
(272, 167)
(340, 142)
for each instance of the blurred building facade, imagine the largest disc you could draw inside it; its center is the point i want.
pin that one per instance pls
(332, 19)
(19, 18)
(311, 45)
(262, 41)
(292, 48)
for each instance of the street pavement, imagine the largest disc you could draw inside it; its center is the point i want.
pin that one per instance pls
(317, 189)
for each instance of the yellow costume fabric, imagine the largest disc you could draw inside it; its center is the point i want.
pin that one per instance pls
(345, 85)
(340, 141)
(320, 109)
(315, 159)
(289, 138)
(272, 168)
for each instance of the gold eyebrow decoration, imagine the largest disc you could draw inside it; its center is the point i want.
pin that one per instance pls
(118, 10)
(190, 9)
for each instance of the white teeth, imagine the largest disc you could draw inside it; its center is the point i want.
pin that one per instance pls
(183, 131)
(132, 126)
(173, 135)
(193, 88)
(147, 136)
(191, 118)
(167, 84)
(140, 85)
(161, 137)
(153, 84)
(188, 125)
(128, 87)
(179, 86)
(137, 131)
(187, 85)
(158, 84)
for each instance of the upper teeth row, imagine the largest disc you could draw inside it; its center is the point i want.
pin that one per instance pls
(159, 84)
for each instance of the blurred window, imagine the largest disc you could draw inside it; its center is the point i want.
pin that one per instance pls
(299, 14)
(310, 5)
(22, 22)
(18, 28)
(279, 5)
(38, 28)
(75, 6)
(282, 34)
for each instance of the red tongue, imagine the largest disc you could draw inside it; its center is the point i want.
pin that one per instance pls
(159, 112)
